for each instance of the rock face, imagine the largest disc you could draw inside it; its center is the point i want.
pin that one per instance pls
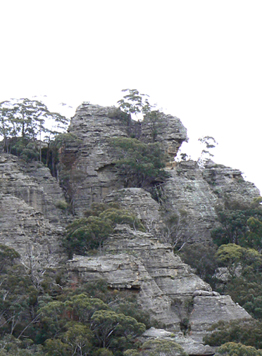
(208, 309)
(140, 203)
(166, 287)
(141, 262)
(30, 222)
(191, 194)
(194, 194)
(90, 163)
(168, 130)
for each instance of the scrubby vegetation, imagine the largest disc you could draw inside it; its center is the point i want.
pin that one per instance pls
(89, 233)
(236, 255)
(52, 318)
(139, 164)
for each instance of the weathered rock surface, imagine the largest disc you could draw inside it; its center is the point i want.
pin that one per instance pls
(30, 222)
(132, 260)
(29, 233)
(169, 131)
(191, 193)
(229, 186)
(210, 309)
(166, 287)
(31, 182)
(140, 203)
(90, 163)
(123, 272)
(190, 346)
(194, 194)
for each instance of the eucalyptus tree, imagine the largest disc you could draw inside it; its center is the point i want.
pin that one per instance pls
(30, 120)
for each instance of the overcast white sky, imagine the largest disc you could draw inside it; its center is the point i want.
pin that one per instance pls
(200, 60)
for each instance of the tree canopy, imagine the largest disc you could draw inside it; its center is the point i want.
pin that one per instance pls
(90, 232)
(24, 121)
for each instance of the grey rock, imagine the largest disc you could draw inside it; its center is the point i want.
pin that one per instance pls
(191, 346)
(208, 310)
(140, 202)
(169, 131)
(166, 287)
(30, 233)
(229, 185)
(31, 182)
(90, 164)
(195, 194)
(30, 222)
(122, 272)
(190, 197)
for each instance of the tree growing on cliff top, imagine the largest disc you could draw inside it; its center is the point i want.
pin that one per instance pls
(28, 120)
(209, 144)
(134, 102)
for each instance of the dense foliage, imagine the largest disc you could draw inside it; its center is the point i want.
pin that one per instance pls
(237, 349)
(51, 318)
(89, 233)
(247, 332)
(202, 258)
(139, 164)
(26, 124)
(240, 226)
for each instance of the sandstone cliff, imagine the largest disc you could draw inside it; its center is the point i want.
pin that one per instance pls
(141, 262)
(30, 220)
(191, 193)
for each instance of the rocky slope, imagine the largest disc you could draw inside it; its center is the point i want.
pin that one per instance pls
(191, 193)
(90, 163)
(140, 262)
(165, 286)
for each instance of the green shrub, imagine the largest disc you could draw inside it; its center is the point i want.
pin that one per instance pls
(247, 331)
(62, 204)
(89, 233)
(139, 164)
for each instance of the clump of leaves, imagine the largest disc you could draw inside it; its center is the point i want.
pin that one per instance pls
(202, 259)
(90, 232)
(240, 226)
(248, 332)
(237, 349)
(139, 164)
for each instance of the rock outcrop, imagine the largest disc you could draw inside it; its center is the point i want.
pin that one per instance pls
(166, 287)
(30, 221)
(140, 203)
(190, 346)
(191, 193)
(140, 262)
(90, 164)
(195, 194)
